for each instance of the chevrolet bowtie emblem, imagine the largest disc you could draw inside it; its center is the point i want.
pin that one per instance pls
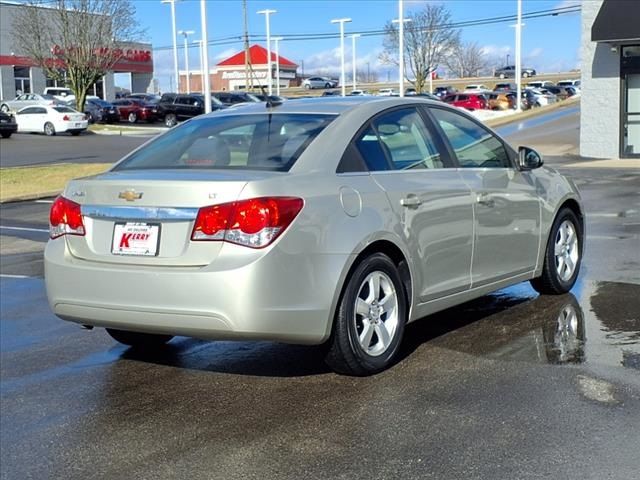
(130, 195)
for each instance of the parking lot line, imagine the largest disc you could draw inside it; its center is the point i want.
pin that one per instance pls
(25, 229)
(6, 275)
(43, 201)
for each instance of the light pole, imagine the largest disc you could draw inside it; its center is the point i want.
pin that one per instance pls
(277, 40)
(401, 46)
(353, 53)
(507, 64)
(200, 49)
(205, 56)
(175, 42)
(342, 21)
(185, 34)
(519, 58)
(266, 14)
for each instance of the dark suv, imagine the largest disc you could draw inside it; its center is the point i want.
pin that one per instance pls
(174, 107)
(232, 98)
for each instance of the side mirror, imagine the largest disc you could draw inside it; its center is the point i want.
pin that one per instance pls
(528, 159)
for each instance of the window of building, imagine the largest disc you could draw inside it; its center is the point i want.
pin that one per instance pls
(22, 80)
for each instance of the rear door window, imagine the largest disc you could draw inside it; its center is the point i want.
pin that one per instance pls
(240, 142)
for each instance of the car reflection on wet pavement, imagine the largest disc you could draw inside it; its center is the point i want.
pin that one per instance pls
(597, 329)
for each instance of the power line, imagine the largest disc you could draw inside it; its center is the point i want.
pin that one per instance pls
(233, 39)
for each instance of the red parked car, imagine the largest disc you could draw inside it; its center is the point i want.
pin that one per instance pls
(470, 101)
(132, 110)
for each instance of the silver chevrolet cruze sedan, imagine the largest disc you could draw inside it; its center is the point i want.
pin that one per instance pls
(329, 221)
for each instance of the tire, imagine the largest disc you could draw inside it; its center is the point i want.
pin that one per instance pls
(307, 86)
(4, 108)
(132, 117)
(170, 120)
(327, 85)
(502, 75)
(356, 346)
(562, 256)
(6, 134)
(138, 339)
(49, 129)
(525, 74)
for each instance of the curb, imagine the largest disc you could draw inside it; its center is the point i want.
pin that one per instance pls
(31, 196)
(498, 122)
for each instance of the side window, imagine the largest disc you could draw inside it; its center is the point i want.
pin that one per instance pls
(26, 111)
(372, 151)
(40, 110)
(182, 100)
(474, 146)
(407, 140)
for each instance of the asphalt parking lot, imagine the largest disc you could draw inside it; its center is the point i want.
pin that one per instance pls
(510, 386)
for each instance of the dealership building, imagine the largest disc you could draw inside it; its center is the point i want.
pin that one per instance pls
(230, 74)
(610, 103)
(19, 73)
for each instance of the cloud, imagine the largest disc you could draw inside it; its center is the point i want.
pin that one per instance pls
(535, 53)
(567, 3)
(225, 54)
(327, 62)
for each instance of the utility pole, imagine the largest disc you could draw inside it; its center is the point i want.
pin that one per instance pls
(176, 75)
(247, 78)
(266, 14)
(342, 21)
(277, 40)
(519, 58)
(353, 54)
(205, 56)
(185, 34)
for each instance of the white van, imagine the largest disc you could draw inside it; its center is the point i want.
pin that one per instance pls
(61, 93)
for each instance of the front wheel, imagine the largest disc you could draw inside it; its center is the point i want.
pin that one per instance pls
(170, 120)
(4, 108)
(138, 339)
(370, 319)
(502, 75)
(307, 86)
(6, 134)
(525, 75)
(563, 255)
(132, 118)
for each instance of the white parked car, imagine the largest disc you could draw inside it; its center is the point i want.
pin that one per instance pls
(358, 93)
(387, 92)
(543, 96)
(575, 84)
(475, 88)
(319, 82)
(539, 84)
(51, 120)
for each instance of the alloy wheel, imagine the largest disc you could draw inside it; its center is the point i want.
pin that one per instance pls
(376, 313)
(566, 250)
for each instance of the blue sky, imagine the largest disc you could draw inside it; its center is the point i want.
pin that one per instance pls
(549, 43)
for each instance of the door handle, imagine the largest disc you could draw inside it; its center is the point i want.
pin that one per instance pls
(411, 201)
(486, 200)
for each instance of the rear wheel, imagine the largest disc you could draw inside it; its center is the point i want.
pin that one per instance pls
(49, 129)
(327, 85)
(370, 319)
(138, 339)
(525, 75)
(6, 134)
(502, 75)
(4, 108)
(170, 120)
(563, 255)
(307, 86)
(132, 118)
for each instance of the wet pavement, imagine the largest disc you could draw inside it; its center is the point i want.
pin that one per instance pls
(509, 386)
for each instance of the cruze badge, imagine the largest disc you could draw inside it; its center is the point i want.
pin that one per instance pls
(130, 195)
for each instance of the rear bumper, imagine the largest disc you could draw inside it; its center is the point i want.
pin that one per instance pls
(278, 296)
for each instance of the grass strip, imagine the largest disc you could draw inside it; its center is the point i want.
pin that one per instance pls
(31, 182)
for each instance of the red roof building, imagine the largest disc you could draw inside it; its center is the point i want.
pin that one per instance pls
(230, 74)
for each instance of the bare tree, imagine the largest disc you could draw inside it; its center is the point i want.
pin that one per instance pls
(77, 41)
(428, 38)
(467, 59)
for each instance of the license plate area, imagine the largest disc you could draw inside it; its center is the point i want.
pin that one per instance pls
(136, 239)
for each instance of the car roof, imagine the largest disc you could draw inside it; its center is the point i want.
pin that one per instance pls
(329, 105)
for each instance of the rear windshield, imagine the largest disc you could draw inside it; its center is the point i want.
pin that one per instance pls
(64, 110)
(241, 142)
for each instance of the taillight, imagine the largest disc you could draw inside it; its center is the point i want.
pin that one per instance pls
(65, 218)
(66, 118)
(254, 223)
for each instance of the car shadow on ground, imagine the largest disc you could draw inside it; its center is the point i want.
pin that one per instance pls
(283, 360)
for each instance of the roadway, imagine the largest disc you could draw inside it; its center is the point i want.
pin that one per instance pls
(493, 389)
